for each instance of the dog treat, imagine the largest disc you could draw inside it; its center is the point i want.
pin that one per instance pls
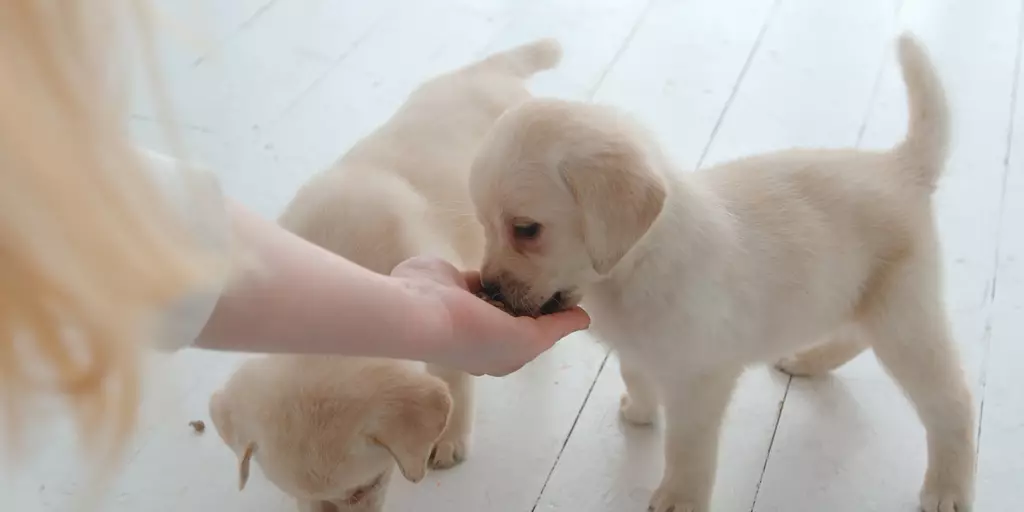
(198, 426)
(496, 303)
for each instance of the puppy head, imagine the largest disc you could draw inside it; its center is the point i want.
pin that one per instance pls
(404, 421)
(332, 431)
(409, 419)
(564, 190)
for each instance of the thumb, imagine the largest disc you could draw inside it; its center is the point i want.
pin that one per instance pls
(430, 267)
(561, 324)
(472, 279)
(508, 370)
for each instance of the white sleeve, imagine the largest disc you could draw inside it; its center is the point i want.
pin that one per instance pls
(197, 197)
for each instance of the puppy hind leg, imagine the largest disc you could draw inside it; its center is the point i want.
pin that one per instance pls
(451, 449)
(840, 348)
(911, 338)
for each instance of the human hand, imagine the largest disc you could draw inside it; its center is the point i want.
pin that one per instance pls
(468, 333)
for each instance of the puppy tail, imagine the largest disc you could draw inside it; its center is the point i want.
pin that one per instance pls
(526, 60)
(927, 143)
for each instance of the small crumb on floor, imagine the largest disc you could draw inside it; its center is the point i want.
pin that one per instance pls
(198, 426)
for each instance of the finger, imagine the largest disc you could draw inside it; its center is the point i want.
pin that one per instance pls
(433, 268)
(412, 266)
(563, 323)
(506, 372)
(473, 282)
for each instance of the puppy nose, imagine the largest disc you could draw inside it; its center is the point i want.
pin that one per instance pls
(492, 290)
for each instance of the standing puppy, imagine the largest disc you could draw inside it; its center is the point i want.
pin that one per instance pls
(325, 429)
(403, 191)
(693, 277)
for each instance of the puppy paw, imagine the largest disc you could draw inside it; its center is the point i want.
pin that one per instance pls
(936, 498)
(448, 452)
(797, 366)
(635, 412)
(944, 503)
(669, 500)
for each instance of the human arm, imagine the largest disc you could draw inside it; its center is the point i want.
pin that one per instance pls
(300, 298)
(303, 299)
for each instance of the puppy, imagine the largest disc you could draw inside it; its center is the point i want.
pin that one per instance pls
(693, 277)
(329, 430)
(325, 429)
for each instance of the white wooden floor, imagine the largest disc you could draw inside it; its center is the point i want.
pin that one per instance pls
(270, 91)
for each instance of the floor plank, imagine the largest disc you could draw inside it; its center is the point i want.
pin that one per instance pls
(189, 30)
(521, 424)
(1001, 449)
(680, 69)
(811, 81)
(276, 55)
(1001, 444)
(591, 32)
(852, 442)
(363, 90)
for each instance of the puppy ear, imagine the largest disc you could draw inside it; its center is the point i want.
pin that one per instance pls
(243, 464)
(221, 417)
(619, 195)
(220, 414)
(411, 423)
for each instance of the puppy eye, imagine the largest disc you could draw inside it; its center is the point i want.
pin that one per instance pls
(528, 231)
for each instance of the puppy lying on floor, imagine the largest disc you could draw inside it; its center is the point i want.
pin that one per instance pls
(692, 277)
(325, 429)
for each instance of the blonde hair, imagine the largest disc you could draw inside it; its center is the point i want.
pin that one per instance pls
(89, 250)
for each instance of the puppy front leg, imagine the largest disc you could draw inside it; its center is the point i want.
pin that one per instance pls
(452, 447)
(694, 407)
(639, 403)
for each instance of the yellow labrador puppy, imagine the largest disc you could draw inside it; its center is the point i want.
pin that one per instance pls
(329, 430)
(325, 430)
(692, 277)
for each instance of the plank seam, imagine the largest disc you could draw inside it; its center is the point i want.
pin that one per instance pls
(739, 81)
(245, 25)
(572, 429)
(622, 50)
(381, 19)
(771, 442)
(1000, 222)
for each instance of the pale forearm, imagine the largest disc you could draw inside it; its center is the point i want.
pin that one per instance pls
(300, 298)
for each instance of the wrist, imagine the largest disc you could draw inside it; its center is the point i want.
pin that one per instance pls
(426, 327)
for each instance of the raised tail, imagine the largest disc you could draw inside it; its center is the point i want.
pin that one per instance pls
(526, 60)
(927, 143)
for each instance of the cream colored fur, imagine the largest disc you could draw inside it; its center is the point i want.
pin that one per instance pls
(328, 430)
(691, 277)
